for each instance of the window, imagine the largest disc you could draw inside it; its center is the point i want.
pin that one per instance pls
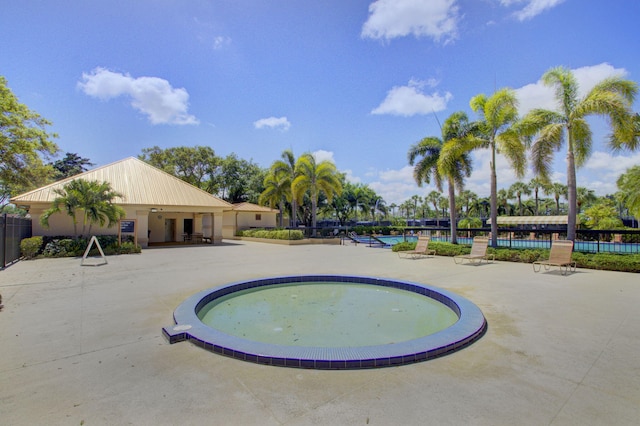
(258, 216)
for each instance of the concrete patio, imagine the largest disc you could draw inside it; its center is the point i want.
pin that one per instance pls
(83, 345)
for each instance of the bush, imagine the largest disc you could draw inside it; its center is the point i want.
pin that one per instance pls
(30, 247)
(72, 247)
(279, 234)
(603, 261)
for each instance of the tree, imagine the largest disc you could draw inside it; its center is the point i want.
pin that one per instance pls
(93, 198)
(629, 186)
(443, 160)
(24, 141)
(196, 165)
(434, 197)
(239, 180)
(535, 185)
(315, 178)
(71, 165)
(602, 216)
(287, 167)
(557, 190)
(611, 98)
(416, 199)
(496, 131)
(277, 190)
(519, 189)
(584, 196)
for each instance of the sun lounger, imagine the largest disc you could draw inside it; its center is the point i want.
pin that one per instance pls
(478, 252)
(422, 249)
(559, 256)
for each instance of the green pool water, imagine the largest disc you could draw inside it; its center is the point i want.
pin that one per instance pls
(327, 314)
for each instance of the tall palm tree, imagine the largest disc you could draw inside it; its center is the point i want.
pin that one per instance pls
(286, 169)
(277, 190)
(441, 159)
(315, 178)
(519, 189)
(611, 98)
(497, 132)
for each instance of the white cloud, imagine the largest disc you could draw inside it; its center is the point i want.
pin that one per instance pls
(152, 96)
(389, 19)
(537, 95)
(221, 41)
(532, 8)
(411, 100)
(273, 122)
(322, 155)
(603, 169)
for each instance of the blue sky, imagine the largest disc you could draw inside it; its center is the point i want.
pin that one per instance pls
(356, 81)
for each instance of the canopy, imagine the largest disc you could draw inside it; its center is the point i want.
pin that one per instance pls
(532, 220)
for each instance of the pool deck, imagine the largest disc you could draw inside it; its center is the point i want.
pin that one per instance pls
(84, 345)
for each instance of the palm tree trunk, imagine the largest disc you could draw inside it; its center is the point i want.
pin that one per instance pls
(294, 207)
(571, 192)
(452, 212)
(494, 200)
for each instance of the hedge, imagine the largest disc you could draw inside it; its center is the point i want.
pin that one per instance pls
(63, 246)
(602, 261)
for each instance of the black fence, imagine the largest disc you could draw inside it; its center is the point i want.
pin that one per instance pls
(623, 241)
(12, 230)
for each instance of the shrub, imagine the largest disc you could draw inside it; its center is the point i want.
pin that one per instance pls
(30, 247)
(279, 234)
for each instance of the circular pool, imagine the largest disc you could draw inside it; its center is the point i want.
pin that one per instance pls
(328, 321)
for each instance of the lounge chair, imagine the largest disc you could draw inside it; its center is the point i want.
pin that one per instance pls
(422, 249)
(478, 252)
(559, 256)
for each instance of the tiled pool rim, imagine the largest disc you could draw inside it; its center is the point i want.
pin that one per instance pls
(470, 326)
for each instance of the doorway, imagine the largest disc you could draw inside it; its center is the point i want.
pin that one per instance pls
(188, 226)
(169, 230)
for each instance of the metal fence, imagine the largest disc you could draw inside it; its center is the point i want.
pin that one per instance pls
(587, 241)
(12, 230)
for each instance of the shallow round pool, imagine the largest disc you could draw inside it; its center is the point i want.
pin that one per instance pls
(328, 322)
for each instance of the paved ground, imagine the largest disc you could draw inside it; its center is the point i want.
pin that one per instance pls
(83, 345)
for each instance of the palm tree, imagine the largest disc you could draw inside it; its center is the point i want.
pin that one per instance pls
(277, 190)
(557, 190)
(468, 198)
(434, 198)
(535, 185)
(519, 189)
(611, 98)
(629, 194)
(393, 207)
(442, 159)
(416, 199)
(315, 178)
(497, 132)
(286, 169)
(93, 198)
(584, 196)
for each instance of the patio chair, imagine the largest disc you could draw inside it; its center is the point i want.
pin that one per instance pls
(559, 256)
(478, 252)
(422, 249)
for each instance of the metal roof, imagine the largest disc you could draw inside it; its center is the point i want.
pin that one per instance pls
(250, 207)
(138, 182)
(531, 220)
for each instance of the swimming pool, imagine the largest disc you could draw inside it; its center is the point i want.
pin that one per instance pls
(334, 352)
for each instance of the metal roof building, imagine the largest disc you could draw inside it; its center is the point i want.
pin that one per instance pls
(163, 207)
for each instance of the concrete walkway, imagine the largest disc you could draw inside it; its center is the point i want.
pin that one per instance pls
(83, 345)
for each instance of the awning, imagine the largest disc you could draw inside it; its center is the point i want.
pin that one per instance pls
(533, 220)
